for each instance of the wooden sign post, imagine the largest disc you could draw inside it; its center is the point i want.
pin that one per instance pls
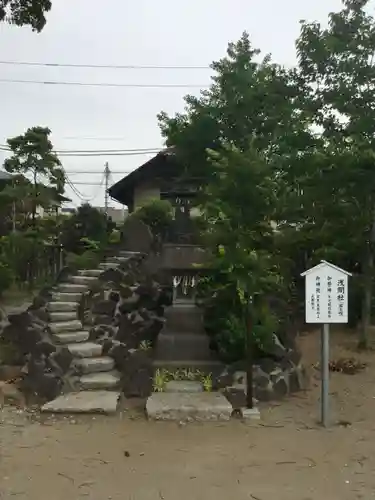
(326, 302)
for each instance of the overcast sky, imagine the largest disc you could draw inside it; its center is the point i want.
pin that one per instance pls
(142, 32)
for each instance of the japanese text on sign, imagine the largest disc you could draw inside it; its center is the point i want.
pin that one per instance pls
(326, 295)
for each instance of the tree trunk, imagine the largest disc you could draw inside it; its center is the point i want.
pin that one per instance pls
(367, 271)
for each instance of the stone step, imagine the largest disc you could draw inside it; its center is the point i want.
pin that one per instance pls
(71, 337)
(127, 253)
(85, 349)
(183, 386)
(183, 318)
(90, 272)
(82, 280)
(95, 365)
(66, 326)
(56, 317)
(72, 288)
(66, 297)
(99, 381)
(206, 367)
(183, 346)
(62, 307)
(188, 406)
(104, 402)
(104, 266)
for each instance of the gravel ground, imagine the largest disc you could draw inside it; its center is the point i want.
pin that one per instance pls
(287, 456)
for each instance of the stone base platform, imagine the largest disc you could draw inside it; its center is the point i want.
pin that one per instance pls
(180, 406)
(99, 402)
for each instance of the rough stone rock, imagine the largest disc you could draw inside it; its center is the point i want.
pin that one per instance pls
(104, 307)
(119, 352)
(102, 332)
(45, 347)
(102, 319)
(137, 374)
(112, 275)
(275, 349)
(280, 387)
(114, 297)
(63, 359)
(236, 397)
(129, 304)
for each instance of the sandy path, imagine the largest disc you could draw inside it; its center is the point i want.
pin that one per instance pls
(286, 457)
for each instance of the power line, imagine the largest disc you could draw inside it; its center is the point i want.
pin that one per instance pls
(135, 150)
(100, 66)
(96, 154)
(104, 84)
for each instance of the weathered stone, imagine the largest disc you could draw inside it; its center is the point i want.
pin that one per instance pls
(71, 337)
(236, 397)
(102, 319)
(137, 374)
(102, 332)
(112, 275)
(280, 388)
(84, 402)
(66, 326)
(250, 413)
(100, 381)
(114, 296)
(44, 347)
(201, 406)
(85, 349)
(183, 386)
(118, 351)
(129, 304)
(63, 358)
(95, 365)
(47, 385)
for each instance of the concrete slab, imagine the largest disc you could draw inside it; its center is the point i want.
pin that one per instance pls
(201, 406)
(84, 402)
(250, 413)
(183, 386)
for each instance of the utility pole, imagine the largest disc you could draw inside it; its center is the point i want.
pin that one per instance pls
(107, 173)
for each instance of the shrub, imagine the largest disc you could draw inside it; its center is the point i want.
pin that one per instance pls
(157, 215)
(6, 277)
(87, 260)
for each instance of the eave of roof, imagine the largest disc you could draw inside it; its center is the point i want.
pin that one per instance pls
(123, 190)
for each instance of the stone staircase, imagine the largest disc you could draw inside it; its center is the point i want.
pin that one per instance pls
(94, 385)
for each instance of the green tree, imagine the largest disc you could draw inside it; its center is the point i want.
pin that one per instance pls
(247, 99)
(337, 68)
(87, 223)
(33, 157)
(25, 12)
(238, 206)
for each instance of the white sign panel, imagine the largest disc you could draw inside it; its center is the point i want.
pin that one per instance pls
(326, 299)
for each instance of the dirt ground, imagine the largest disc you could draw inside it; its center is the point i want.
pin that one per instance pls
(286, 456)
